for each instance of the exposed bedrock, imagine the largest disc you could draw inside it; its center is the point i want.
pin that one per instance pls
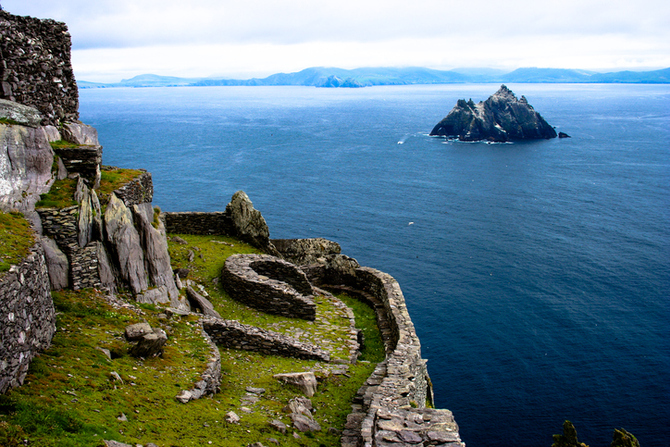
(25, 165)
(500, 118)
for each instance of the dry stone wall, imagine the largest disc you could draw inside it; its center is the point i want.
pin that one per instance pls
(196, 223)
(390, 408)
(137, 191)
(35, 67)
(233, 334)
(269, 284)
(27, 317)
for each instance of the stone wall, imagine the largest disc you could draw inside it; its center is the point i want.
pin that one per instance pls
(390, 408)
(137, 191)
(27, 317)
(279, 287)
(35, 67)
(233, 334)
(196, 223)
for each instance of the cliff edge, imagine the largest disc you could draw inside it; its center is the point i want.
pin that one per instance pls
(500, 119)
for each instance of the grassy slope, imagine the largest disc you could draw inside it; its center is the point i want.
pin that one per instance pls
(69, 398)
(16, 238)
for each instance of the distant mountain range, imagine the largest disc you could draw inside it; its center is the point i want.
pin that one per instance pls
(365, 77)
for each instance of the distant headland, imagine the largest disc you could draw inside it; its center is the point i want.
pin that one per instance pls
(366, 77)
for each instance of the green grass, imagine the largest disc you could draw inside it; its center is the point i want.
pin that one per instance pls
(62, 144)
(60, 195)
(16, 237)
(68, 398)
(10, 121)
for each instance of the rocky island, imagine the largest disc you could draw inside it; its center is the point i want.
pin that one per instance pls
(500, 119)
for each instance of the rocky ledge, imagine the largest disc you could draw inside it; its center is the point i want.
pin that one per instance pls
(500, 118)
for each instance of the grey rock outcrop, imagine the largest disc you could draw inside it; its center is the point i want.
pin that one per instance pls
(57, 264)
(306, 251)
(80, 134)
(201, 303)
(25, 166)
(247, 223)
(150, 345)
(157, 258)
(305, 381)
(500, 118)
(20, 114)
(125, 240)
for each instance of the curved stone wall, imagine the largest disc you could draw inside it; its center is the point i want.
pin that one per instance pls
(269, 284)
(27, 317)
(390, 408)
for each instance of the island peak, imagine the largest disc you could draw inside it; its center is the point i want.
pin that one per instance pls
(502, 117)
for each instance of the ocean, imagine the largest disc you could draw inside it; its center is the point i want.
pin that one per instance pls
(537, 274)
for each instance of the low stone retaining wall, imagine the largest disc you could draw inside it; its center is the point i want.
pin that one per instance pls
(233, 334)
(27, 317)
(269, 284)
(196, 223)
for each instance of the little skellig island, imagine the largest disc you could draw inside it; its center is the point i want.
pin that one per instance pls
(499, 119)
(125, 325)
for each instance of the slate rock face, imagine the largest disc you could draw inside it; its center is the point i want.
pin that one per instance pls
(500, 118)
(247, 223)
(25, 166)
(124, 238)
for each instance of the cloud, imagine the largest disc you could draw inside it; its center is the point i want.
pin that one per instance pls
(138, 33)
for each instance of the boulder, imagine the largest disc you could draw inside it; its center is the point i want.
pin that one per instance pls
(19, 113)
(158, 295)
(299, 405)
(305, 381)
(52, 133)
(184, 396)
(232, 417)
(563, 135)
(304, 424)
(134, 332)
(125, 240)
(25, 166)
(57, 264)
(80, 134)
(279, 426)
(247, 222)
(150, 345)
(501, 118)
(200, 302)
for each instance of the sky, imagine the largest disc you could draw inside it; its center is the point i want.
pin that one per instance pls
(240, 39)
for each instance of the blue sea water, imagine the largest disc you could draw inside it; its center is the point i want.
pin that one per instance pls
(537, 274)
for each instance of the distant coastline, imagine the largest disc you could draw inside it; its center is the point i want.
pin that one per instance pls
(367, 77)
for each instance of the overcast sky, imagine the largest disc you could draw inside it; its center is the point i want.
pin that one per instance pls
(245, 38)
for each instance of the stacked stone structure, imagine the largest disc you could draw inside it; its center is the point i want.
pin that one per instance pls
(35, 67)
(27, 317)
(269, 284)
(233, 334)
